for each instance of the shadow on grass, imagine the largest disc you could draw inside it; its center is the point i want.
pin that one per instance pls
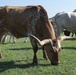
(74, 48)
(20, 48)
(28, 48)
(12, 65)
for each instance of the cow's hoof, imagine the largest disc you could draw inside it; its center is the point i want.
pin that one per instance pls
(1, 55)
(34, 63)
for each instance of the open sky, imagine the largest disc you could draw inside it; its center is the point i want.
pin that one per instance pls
(52, 6)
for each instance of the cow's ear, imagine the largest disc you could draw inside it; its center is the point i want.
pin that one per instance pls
(61, 38)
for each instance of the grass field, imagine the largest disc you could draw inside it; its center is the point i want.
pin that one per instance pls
(17, 60)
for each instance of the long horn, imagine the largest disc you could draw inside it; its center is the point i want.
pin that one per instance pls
(43, 42)
(66, 38)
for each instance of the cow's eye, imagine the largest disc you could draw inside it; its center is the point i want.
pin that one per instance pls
(54, 44)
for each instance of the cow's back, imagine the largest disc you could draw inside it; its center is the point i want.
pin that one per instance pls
(66, 20)
(19, 19)
(31, 19)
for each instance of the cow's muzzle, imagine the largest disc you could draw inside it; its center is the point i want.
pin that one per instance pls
(55, 63)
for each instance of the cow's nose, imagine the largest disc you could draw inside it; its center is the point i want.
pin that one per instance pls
(55, 63)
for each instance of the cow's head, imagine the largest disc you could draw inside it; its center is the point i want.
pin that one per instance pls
(67, 33)
(52, 47)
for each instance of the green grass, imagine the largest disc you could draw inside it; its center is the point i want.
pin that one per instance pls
(17, 59)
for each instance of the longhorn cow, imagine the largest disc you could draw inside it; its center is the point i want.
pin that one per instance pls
(32, 22)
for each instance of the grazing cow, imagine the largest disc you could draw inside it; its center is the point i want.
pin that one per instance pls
(64, 20)
(32, 22)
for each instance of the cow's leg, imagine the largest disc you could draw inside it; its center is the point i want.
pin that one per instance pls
(75, 34)
(12, 39)
(72, 34)
(0, 54)
(44, 54)
(25, 39)
(4, 38)
(35, 49)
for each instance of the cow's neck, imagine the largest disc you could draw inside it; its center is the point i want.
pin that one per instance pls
(49, 31)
